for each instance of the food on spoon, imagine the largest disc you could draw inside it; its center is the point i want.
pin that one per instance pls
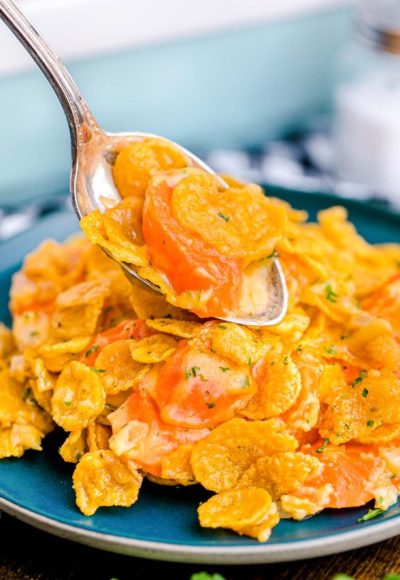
(207, 247)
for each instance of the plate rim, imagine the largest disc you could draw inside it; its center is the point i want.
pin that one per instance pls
(263, 553)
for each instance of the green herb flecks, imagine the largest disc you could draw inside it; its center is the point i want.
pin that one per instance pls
(224, 216)
(330, 350)
(370, 515)
(206, 576)
(324, 444)
(91, 350)
(193, 372)
(330, 294)
(359, 379)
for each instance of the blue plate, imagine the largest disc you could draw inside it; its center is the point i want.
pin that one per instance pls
(163, 523)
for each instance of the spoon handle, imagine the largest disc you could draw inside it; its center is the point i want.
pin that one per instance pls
(80, 120)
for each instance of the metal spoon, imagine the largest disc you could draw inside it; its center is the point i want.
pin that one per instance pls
(94, 150)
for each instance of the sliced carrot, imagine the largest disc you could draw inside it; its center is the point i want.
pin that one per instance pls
(157, 439)
(195, 390)
(190, 263)
(350, 469)
(126, 329)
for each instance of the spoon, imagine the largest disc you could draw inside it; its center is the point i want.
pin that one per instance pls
(94, 151)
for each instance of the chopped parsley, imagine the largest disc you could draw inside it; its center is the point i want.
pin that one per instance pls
(67, 403)
(285, 360)
(224, 216)
(98, 370)
(193, 372)
(225, 369)
(324, 444)
(330, 294)
(206, 576)
(249, 362)
(330, 350)
(370, 515)
(274, 254)
(370, 423)
(211, 405)
(364, 393)
(359, 379)
(34, 333)
(91, 350)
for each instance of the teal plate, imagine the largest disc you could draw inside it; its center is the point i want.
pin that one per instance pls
(163, 523)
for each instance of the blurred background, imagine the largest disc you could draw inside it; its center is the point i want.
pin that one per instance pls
(301, 94)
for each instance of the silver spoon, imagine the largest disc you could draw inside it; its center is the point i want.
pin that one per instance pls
(94, 150)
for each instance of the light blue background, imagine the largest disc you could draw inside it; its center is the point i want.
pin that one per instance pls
(232, 89)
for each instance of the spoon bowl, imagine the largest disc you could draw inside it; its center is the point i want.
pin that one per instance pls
(94, 152)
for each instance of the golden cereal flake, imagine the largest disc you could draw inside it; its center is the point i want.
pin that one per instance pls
(279, 385)
(181, 328)
(102, 479)
(221, 458)
(262, 531)
(98, 436)
(77, 309)
(19, 368)
(121, 371)
(361, 407)
(56, 356)
(75, 446)
(45, 381)
(237, 343)
(248, 511)
(281, 473)
(148, 305)
(177, 467)
(79, 397)
(291, 328)
(18, 406)
(118, 239)
(15, 440)
(31, 329)
(153, 349)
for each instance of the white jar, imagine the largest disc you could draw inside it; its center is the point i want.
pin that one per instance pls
(367, 101)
